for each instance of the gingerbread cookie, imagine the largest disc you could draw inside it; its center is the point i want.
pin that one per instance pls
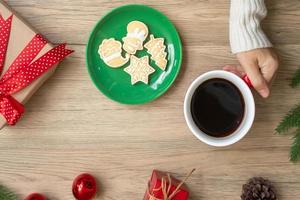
(110, 52)
(137, 32)
(156, 48)
(139, 69)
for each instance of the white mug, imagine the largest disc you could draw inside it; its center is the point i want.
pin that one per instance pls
(249, 112)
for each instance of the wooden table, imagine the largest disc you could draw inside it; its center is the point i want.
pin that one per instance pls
(70, 127)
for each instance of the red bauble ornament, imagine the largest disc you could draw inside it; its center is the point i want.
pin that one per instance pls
(35, 196)
(84, 187)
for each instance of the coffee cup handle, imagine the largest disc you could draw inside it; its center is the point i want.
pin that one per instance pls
(247, 80)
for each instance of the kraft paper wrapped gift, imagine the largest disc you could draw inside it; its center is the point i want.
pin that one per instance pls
(20, 35)
(162, 186)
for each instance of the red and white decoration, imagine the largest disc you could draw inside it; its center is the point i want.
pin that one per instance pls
(23, 71)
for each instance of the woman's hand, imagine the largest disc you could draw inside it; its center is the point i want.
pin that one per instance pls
(260, 65)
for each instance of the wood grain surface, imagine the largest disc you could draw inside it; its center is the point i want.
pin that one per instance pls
(70, 127)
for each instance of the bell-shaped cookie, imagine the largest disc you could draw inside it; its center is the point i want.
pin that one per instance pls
(137, 32)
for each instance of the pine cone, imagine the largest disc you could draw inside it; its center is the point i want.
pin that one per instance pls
(258, 188)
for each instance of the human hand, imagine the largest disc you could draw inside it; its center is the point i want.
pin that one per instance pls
(260, 65)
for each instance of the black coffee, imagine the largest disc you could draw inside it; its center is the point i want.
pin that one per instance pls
(217, 107)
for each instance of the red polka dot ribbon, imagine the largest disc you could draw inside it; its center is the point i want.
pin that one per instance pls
(23, 71)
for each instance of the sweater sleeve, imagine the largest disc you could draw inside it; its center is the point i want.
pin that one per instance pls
(245, 30)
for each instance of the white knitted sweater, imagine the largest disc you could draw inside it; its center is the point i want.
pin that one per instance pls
(245, 30)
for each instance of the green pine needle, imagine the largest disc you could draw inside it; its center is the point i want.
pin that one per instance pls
(291, 120)
(295, 148)
(296, 79)
(6, 194)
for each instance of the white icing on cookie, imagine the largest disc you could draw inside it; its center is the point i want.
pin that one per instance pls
(110, 51)
(157, 49)
(137, 32)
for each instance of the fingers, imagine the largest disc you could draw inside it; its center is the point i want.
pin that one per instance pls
(236, 69)
(254, 75)
(269, 68)
(258, 81)
(260, 66)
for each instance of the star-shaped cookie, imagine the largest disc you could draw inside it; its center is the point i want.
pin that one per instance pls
(139, 69)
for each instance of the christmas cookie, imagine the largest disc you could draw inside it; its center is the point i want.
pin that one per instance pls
(139, 69)
(137, 32)
(110, 52)
(156, 48)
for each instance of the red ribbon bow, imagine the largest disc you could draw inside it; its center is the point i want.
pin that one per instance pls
(23, 71)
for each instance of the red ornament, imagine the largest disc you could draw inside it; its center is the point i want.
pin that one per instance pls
(35, 196)
(84, 187)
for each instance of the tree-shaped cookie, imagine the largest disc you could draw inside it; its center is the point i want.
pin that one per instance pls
(156, 48)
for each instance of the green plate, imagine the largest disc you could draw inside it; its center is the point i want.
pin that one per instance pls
(115, 83)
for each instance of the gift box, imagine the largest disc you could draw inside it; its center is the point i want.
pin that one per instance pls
(162, 186)
(27, 60)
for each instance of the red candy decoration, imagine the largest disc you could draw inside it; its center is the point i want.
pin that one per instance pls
(84, 187)
(35, 196)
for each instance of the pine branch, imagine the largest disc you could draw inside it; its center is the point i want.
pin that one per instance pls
(295, 148)
(296, 79)
(291, 120)
(6, 194)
